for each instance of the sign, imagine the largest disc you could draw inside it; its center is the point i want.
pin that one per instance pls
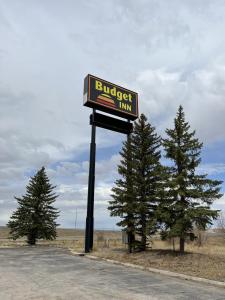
(110, 123)
(102, 95)
(108, 97)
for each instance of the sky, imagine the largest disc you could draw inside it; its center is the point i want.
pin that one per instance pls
(170, 52)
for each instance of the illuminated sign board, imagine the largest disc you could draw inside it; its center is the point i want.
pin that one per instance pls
(108, 97)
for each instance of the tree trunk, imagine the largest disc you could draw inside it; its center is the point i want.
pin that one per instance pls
(143, 243)
(31, 238)
(130, 241)
(143, 233)
(182, 245)
(143, 239)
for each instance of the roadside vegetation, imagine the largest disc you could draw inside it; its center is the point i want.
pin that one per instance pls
(206, 261)
(172, 200)
(165, 209)
(35, 216)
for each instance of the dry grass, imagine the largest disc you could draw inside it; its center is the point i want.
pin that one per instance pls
(67, 238)
(207, 261)
(4, 232)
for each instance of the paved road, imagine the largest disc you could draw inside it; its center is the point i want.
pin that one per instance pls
(52, 273)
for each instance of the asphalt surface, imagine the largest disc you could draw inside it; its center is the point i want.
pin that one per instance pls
(53, 273)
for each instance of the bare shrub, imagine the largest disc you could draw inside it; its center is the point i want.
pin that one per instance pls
(201, 237)
(100, 237)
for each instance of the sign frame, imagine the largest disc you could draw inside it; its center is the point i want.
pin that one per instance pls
(103, 121)
(108, 107)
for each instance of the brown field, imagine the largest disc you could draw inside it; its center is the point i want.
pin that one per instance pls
(207, 261)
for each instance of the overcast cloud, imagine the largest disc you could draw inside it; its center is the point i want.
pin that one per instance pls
(170, 52)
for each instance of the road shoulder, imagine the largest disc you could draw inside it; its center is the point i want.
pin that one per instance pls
(154, 270)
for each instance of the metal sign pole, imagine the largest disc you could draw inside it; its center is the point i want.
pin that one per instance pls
(129, 234)
(91, 191)
(111, 98)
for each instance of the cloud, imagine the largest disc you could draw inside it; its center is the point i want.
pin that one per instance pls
(71, 179)
(212, 169)
(200, 92)
(170, 52)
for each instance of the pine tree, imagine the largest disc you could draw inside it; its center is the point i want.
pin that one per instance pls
(189, 195)
(147, 177)
(35, 217)
(123, 203)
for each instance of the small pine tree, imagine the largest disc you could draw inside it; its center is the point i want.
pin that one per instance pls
(123, 203)
(147, 178)
(189, 195)
(35, 217)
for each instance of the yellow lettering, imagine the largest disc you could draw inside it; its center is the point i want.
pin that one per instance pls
(119, 96)
(98, 85)
(125, 96)
(129, 107)
(113, 91)
(106, 89)
(123, 106)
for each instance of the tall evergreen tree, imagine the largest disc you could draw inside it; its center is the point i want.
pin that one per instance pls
(123, 203)
(147, 177)
(35, 216)
(189, 195)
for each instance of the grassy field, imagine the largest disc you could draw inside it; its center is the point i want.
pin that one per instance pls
(207, 261)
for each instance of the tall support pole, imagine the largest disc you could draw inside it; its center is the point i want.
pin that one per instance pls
(130, 234)
(91, 190)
